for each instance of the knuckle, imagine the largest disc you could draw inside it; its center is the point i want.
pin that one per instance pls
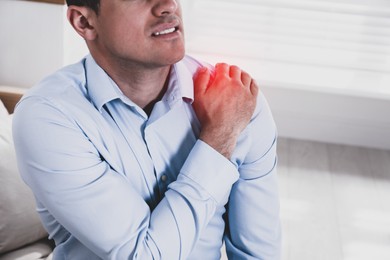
(221, 64)
(234, 67)
(245, 74)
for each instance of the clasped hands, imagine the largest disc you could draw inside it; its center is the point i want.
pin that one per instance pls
(224, 102)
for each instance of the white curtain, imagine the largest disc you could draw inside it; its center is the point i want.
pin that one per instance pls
(341, 44)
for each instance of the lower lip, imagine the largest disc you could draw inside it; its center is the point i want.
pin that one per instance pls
(168, 36)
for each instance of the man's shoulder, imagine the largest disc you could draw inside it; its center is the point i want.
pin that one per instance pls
(65, 91)
(68, 79)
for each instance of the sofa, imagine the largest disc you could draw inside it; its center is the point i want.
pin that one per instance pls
(22, 235)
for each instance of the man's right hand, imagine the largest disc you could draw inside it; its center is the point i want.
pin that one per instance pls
(224, 103)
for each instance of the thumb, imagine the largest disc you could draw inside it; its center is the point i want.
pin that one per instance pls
(201, 80)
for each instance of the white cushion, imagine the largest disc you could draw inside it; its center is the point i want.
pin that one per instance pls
(3, 111)
(36, 251)
(19, 221)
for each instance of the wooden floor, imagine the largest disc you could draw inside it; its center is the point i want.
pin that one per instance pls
(335, 201)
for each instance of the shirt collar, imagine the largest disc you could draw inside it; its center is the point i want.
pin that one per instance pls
(102, 89)
(184, 83)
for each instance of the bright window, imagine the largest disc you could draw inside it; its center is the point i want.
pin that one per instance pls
(333, 45)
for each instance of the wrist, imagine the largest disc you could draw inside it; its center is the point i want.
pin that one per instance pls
(221, 142)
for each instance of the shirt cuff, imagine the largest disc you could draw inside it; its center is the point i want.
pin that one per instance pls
(210, 170)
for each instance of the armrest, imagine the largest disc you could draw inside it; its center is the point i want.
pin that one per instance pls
(10, 96)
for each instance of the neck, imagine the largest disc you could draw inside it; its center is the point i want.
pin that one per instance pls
(143, 85)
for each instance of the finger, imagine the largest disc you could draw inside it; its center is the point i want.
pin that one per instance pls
(221, 69)
(254, 88)
(246, 79)
(235, 72)
(201, 80)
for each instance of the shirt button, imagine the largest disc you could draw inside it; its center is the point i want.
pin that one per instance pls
(164, 178)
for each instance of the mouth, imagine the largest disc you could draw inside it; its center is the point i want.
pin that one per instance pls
(166, 31)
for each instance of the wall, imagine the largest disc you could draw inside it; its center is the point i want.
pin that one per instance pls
(35, 40)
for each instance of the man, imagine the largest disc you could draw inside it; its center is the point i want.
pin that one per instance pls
(130, 158)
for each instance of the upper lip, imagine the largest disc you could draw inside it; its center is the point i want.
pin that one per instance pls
(165, 25)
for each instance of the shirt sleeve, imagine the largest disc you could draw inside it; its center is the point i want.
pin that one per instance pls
(253, 224)
(100, 207)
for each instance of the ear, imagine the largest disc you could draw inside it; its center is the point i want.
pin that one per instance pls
(82, 20)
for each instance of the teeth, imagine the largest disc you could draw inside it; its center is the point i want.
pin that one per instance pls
(171, 30)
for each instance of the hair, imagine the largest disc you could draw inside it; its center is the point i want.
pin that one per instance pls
(93, 4)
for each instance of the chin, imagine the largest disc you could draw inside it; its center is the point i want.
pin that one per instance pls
(175, 57)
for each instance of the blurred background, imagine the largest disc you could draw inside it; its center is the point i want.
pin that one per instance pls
(324, 67)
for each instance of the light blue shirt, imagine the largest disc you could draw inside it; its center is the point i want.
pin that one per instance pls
(112, 183)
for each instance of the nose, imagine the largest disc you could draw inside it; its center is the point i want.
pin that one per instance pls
(165, 7)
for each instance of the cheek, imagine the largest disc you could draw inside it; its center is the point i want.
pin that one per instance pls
(125, 37)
